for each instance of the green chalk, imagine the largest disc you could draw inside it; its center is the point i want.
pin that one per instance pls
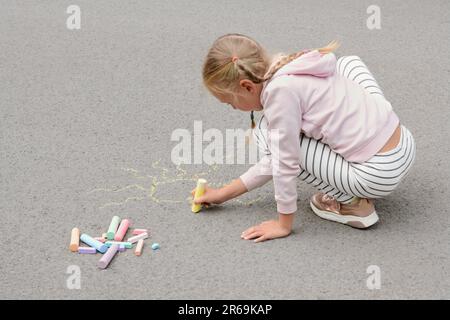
(113, 228)
(127, 245)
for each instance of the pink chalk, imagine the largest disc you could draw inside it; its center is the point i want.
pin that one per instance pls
(88, 250)
(139, 246)
(139, 231)
(101, 239)
(108, 256)
(122, 230)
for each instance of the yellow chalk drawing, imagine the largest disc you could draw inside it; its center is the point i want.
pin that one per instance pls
(164, 178)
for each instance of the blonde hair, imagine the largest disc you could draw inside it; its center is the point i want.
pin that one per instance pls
(233, 57)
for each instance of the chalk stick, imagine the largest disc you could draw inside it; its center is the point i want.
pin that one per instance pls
(138, 237)
(104, 235)
(139, 231)
(127, 245)
(199, 191)
(101, 239)
(108, 256)
(89, 250)
(74, 240)
(122, 248)
(139, 246)
(93, 243)
(113, 228)
(122, 230)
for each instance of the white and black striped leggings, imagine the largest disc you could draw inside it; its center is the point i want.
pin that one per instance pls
(330, 173)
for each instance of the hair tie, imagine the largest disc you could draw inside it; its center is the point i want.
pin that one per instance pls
(252, 119)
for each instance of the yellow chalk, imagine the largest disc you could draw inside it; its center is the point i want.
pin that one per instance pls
(199, 191)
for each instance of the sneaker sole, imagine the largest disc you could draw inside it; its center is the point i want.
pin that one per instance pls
(353, 221)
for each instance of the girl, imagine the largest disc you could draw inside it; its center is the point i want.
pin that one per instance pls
(324, 121)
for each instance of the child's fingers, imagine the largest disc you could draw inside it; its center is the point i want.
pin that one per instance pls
(251, 232)
(253, 235)
(193, 191)
(261, 238)
(248, 231)
(199, 200)
(202, 200)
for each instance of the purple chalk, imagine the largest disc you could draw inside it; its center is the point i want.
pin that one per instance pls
(122, 248)
(89, 250)
(108, 256)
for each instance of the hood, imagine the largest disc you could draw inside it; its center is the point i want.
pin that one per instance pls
(311, 63)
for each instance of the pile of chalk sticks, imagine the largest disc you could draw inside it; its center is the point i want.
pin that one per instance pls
(110, 242)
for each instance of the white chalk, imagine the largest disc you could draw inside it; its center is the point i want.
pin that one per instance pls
(138, 237)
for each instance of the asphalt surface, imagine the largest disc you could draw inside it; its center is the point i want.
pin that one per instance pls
(85, 128)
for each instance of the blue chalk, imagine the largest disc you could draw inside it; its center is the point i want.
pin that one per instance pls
(155, 246)
(93, 243)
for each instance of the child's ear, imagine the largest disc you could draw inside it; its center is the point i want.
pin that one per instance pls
(247, 85)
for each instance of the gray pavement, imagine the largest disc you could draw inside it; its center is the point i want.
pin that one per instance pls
(85, 127)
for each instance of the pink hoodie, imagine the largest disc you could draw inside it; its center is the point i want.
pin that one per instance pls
(307, 95)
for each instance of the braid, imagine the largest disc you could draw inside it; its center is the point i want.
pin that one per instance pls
(257, 79)
(283, 61)
(249, 73)
(249, 61)
(252, 119)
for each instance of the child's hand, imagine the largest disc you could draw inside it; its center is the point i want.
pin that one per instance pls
(210, 196)
(267, 230)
